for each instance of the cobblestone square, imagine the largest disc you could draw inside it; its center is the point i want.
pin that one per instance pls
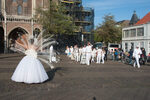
(72, 81)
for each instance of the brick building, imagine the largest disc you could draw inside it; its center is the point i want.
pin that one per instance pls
(16, 18)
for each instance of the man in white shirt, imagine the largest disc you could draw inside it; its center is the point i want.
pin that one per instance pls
(76, 53)
(93, 54)
(72, 53)
(80, 53)
(99, 55)
(83, 55)
(88, 53)
(136, 54)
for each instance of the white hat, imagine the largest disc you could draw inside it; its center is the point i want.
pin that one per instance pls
(137, 46)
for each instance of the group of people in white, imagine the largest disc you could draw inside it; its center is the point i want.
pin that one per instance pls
(86, 54)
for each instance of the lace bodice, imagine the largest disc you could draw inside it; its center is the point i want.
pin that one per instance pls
(31, 52)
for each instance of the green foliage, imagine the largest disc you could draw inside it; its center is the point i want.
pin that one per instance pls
(54, 20)
(108, 31)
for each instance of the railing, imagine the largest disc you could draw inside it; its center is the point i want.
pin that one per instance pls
(13, 19)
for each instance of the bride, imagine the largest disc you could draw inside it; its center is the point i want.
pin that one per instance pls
(29, 70)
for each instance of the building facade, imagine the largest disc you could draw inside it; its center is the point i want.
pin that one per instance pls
(138, 34)
(16, 18)
(83, 17)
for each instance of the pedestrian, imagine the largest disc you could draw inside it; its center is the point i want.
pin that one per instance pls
(106, 51)
(143, 56)
(80, 53)
(130, 56)
(116, 55)
(83, 55)
(67, 51)
(76, 53)
(136, 54)
(103, 55)
(88, 53)
(99, 55)
(71, 53)
(93, 54)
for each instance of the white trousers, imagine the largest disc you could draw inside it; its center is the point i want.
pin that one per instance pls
(88, 58)
(137, 62)
(83, 58)
(93, 56)
(103, 59)
(77, 57)
(99, 58)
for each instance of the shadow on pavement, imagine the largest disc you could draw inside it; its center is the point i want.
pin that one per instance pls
(52, 72)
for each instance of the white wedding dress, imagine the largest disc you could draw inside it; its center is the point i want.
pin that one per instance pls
(30, 69)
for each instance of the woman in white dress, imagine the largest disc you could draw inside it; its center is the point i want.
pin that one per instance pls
(29, 70)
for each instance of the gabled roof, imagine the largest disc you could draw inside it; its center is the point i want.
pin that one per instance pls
(144, 20)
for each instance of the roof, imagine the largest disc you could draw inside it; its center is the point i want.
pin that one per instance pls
(134, 19)
(144, 20)
(124, 23)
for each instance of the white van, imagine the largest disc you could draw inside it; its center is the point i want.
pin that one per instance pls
(113, 46)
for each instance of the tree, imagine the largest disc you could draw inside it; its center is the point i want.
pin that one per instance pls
(108, 31)
(54, 20)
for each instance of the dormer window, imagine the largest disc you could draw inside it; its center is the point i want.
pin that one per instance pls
(19, 10)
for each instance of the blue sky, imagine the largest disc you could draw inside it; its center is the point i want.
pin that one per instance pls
(121, 9)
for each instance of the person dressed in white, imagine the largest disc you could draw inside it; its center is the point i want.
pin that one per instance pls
(71, 53)
(88, 53)
(99, 55)
(67, 51)
(136, 54)
(93, 54)
(83, 55)
(29, 70)
(51, 54)
(103, 55)
(76, 53)
(80, 53)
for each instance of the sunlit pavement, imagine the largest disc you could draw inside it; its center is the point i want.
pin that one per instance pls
(72, 81)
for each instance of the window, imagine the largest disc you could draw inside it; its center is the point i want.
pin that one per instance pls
(126, 33)
(133, 33)
(114, 45)
(19, 10)
(14, 0)
(140, 32)
(126, 47)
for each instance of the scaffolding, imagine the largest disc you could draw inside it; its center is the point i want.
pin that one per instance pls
(83, 17)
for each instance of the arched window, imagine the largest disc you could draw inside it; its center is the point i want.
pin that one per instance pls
(19, 10)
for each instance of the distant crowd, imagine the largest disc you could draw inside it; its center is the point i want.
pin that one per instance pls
(88, 54)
